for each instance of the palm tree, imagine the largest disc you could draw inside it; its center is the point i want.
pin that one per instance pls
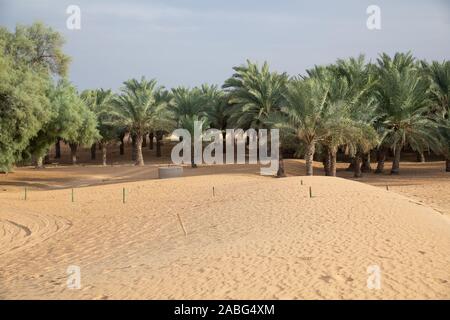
(206, 104)
(166, 121)
(326, 109)
(188, 103)
(188, 122)
(100, 102)
(217, 109)
(216, 106)
(139, 110)
(256, 96)
(360, 78)
(364, 137)
(307, 114)
(339, 126)
(444, 127)
(439, 74)
(402, 97)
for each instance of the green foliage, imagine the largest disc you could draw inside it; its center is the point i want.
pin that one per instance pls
(439, 109)
(255, 94)
(306, 109)
(352, 95)
(216, 106)
(142, 107)
(37, 46)
(188, 123)
(88, 132)
(207, 102)
(402, 94)
(100, 103)
(329, 108)
(70, 120)
(23, 107)
(188, 102)
(28, 58)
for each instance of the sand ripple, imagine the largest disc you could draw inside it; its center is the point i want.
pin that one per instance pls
(257, 238)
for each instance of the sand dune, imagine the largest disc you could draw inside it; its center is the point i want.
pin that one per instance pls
(256, 238)
(425, 182)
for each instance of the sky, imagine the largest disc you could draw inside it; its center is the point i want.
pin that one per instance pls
(190, 42)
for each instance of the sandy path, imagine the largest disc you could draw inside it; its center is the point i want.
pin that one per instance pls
(256, 238)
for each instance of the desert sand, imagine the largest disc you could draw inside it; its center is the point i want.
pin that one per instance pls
(255, 238)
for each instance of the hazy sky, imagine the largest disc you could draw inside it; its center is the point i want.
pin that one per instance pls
(189, 42)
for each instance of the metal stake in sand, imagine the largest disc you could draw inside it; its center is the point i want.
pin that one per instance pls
(182, 225)
(123, 196)
(387, 187)
(310, 192)
(72, 195)
(213, 192)
(25, 194)
(301, 182)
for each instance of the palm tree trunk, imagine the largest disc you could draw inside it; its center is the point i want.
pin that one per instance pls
(58, 149)
(151, 136)
(104, 150)
(93, 150)
(280, 172)
(158, 148)
(144, 140)
(447, 165)
(133, 147)
(257, 148)
(351, 166)
(39, 162)
(158, 144)
(358, 162)
(327, 161)
(73, 152)
(309, 155)
(365, 167)
(224, 146)
(122, 145)
(396, 163)
(193, 164)
(420, 156)
(139, 157)
(381, 158)
(333, 152)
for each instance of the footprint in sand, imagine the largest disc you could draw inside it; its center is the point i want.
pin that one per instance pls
(327, 279)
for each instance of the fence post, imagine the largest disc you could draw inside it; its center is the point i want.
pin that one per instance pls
(182, 225)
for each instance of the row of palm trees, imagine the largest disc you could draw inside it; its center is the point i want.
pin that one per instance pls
(350, 106)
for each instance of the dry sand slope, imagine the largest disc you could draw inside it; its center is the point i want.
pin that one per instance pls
(257, 238)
